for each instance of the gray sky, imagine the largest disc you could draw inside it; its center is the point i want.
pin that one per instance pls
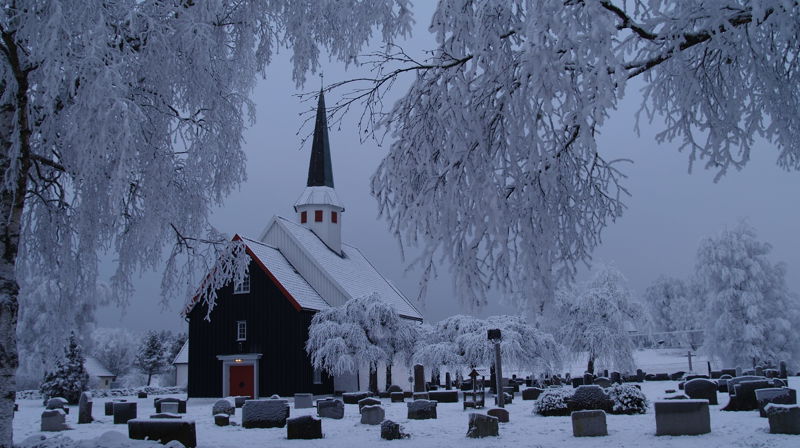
(669, 212)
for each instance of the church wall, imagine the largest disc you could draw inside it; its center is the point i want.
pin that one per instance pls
(274, 328)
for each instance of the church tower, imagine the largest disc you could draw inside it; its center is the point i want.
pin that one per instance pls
(318, 208)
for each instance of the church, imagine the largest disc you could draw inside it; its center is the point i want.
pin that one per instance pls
(254, 343)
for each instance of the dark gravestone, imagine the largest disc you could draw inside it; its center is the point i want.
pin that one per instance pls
(419, 378)
(602, 382)
(181, 404)
(394, 388)
(782, 371)
(305, 427)
(660, 377)
(715, 374)
(730, 372)
(164, 430)
(589, 423)
(589, 398)
(531, 393)
(739, 379)
(222, 419)
(124, 411)
(223, 406)
(397, 397)
(681, 385)
(575, 383)
(421, 396)
(392, 431)
(694, 377)
(482, 426)
(772, 373)
(782, 395)
(700, 389)
(141, 395)
(421, 410)
(500, 413)
(330, 408)
(722, 385)
(588, 378)
(354, 397)
(239, 401)
(367, 402)
(745, 397)
(85, 408)
(54, 420)
(109, 406)
(677, 375)
(444, 396)
(372, 415)
(682, 417)
(448, 384)
(269, 413)
(616, 377)
(783, 418)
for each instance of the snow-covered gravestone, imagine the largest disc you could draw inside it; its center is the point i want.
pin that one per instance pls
(58, 403)
(368, 402)
(304, 427)
(682, 417)
(783, 418)
(421, 410)
(270, 413)
(164, 431)
(481, 425)
(775, 395)
(54, 420)
(223, 406)
(330, 408)
(589, 423)
(85, 408)
(372, 415)
(699, 388)
(392, 431)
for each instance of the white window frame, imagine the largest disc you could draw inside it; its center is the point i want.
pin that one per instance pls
(241, 330)
(242, 287)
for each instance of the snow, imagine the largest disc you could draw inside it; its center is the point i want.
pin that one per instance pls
(183, 354)
(319, 196)
(728, 429)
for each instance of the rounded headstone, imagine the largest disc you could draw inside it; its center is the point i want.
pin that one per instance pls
(500, 413)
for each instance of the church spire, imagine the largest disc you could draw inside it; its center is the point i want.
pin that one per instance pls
(320, 170)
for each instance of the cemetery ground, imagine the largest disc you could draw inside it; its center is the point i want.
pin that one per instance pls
(525, 429)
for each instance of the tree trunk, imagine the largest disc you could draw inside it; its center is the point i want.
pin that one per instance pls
(590, 367)
(388, 376)
(13, 118)
(373, 379)
(149, 376)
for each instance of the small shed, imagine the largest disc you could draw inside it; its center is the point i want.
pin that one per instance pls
(181, 364)
(99, 376)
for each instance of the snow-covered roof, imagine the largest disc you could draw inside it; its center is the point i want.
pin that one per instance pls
(319, 196)
(352, 272)
(95, 368)
(183, 355)
(286, 275)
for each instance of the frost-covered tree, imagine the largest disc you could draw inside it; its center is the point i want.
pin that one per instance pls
(115, 348)
(69, 377)
(121, 127)
(365, 331)
(150, 357)
(751, 315)
(674, 306)
(494, 162)
(595, 319)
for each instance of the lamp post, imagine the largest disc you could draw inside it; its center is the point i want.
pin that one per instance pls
(495, 336)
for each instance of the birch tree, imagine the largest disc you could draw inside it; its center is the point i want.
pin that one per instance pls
(493, 162)
(121, 128)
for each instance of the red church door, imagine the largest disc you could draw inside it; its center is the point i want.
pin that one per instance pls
(241, 381)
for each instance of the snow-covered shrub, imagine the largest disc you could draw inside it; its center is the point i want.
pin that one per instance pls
(69, 378)
(589, 397)
(553, 402)
(627, 399)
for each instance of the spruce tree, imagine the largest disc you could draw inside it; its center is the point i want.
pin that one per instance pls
(150, 358)
(69, 378)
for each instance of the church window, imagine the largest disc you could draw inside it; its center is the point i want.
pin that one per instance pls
(241, 330)
(303, 217)
(317, 215)
(334, 217)
(242, 287)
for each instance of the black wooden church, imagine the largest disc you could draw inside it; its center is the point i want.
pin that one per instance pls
(254, 343)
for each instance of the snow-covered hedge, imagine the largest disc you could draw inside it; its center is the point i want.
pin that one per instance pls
(553, 402)
(110, 439)
(627, 399)
(101, 393)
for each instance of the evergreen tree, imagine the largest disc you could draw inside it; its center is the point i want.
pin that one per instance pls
(69, 378)
(150, 358)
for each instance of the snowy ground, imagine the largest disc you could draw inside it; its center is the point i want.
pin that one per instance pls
(728, 429)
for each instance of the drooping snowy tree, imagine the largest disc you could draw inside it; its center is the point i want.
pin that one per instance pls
(494, 163)
(365, 331)
(440, 346)
(69, 377)
(121, 128)
(150, 356)
(750, 314)
(676, 307)
(115, 348)
(595, 319)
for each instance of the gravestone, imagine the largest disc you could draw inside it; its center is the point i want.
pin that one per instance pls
(392, 431)
(239, 401)
(303, 401)
(774, 395)
(481, 425)
(141, 395)
(54, 420)
(169, 408)
(421, 410)
(588, 378)
(602, 382)
(745, 399)
(500, 413)
(164, 430)
(589, 423)
(531, 393)
(448, 384)
(223, 406)
(737, 372)
(109, 406)
(164, 415)
(57, 403)
(421, 396)
(740, 379)
(85, 408)
(419, 378)
(354, 397)
(397, 397)
(330, 408)
(124, 411)
(368, 402)
(730, 372)
(782, 370)
(269, 413)
(181, 404)
(444, 396)
(372, 415)
(304, 427)
(772, 373)
(722, 385)
(699, 389)
(760, 371)
(682, 417)
(616, 377)
(223, 419)
(507, 398)
(783, 418)
(575, 383)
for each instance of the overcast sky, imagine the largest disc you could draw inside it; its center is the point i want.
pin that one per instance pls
(669, 211)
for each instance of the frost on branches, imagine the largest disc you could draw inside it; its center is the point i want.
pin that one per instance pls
(595, 320)
(676, 307)
(69, 377)
(121, 127)
(364, 332)
(752, 316)
(494, 162)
